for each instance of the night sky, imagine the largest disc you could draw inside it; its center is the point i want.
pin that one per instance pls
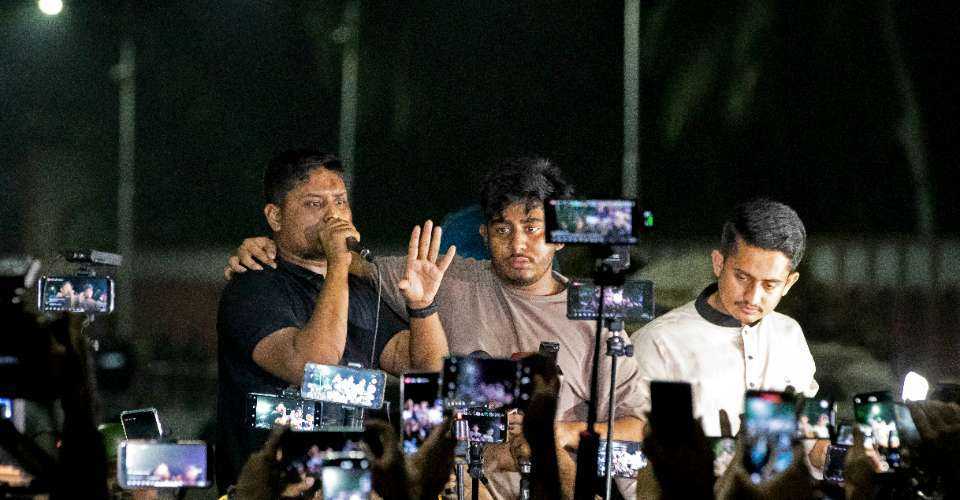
(797, 102)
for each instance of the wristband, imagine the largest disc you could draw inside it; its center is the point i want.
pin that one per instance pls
(423, 312)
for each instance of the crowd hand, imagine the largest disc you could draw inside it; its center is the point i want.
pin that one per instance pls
(939, 426)
(423, 273)
(795, 482)
(681, 471)
(253, 253)
(260, 477)
(539, 433)
(859, 468)
(422, 476)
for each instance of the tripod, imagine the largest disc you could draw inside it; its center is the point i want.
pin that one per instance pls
(605, 276)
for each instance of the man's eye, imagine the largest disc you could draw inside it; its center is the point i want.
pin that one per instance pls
(533, 229)
(769, 287)
(314, 204)
(341, 202)
(501, 230)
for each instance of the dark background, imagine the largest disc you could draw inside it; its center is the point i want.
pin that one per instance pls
(841, 109)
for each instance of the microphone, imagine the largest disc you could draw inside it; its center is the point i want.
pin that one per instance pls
(354, 246)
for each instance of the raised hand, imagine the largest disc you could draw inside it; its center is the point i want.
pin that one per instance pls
(423, 273)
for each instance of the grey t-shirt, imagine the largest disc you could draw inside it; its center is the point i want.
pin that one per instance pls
(479, 312)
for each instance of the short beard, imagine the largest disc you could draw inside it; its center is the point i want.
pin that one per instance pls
(514, 282)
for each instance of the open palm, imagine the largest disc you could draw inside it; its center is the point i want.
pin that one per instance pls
(423, 273)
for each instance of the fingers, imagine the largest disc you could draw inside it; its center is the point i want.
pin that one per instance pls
(435, 244)
(413, 246)
(448, 258)
(424, 249)
(726, 430)
(248, 261)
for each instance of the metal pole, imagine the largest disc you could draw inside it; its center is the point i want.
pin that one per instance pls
(125, 74)
(349, 35)
(631, 98)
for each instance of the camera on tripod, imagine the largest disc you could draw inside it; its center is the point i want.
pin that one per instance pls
(82, 292)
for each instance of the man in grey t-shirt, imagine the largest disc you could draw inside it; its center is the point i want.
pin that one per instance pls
(511, 303)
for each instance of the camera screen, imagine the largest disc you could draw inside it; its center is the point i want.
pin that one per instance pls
(815, 419)
(845, 434)
(626, 458)
(343, 385)
(485, 426)
(632, 301)
(724, 448)
(597, 222)
(475, 382)
(347, 480)
(267, 410)
(422, 408)
(836, 458)
(771, 424)
(6, 408)
(89, 294)
(140, 424)
(877, 423)
(164, 465)
(304, 454)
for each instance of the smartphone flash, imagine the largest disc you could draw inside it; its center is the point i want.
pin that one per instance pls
(915, 387)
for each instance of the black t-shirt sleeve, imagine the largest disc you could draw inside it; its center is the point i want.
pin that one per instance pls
(253, 306)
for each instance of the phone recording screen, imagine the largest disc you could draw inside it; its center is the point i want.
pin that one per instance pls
(626, 458)
(476, 382)
(163, 465)
(266, 410)
(89, 294)
(141, 424)
(343, 385)
(422, 408)
(304, 454)
(845, 434)
(6, 408)
(834, 465)
(485, 426)
(346, 479)
(632, 301)
(770, 427)
(597, 222)
(816, 419)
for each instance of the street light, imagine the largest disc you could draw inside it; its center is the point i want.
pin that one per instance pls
(50, 7)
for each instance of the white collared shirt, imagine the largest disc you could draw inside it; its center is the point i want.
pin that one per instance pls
(721, 359)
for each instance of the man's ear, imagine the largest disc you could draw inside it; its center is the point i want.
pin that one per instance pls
(483, 234)
(791, 280)
(717, 257)
(272, 213)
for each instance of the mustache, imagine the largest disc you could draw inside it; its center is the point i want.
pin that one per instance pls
(747, 304)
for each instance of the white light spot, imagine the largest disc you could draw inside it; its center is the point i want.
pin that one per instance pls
(50, 7)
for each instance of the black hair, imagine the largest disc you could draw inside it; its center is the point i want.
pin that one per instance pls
(765, 224)
(291, 167)
(525, 179)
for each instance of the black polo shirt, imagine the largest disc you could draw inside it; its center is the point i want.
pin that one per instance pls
(254, 305)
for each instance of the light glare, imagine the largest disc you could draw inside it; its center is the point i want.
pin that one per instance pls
(50, 7)
(915, 387)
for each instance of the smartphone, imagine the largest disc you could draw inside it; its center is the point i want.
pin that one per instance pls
(493, 383)
(422, 408)
(834, 465)
(152, 464)
(876, 417)
(817, 418)
(483, 425)
(346, 476)
(6, 408)
(265, 410)
(343, 385)
(303, 453)
(141, 424)
(633, 301)
(671, 409)
(79, 294)
(769, 427)
(595, 222)
(626, 458)
(724, 449)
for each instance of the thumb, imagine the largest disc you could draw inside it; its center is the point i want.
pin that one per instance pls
(403, 284)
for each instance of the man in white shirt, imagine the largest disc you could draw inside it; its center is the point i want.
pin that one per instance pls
(730, 339)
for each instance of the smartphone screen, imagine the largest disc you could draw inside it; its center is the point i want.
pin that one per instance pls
(147, 464)
(836, 458)
(626, 458)
(343, 385)
(770, 425)
(633, 301)
(346, 477)
(594, 222)
(303, 453)
(475, 382)
(816, 419)
(266, 410)
(671, 410)
(6, 408)
(422, 408)
(485, 426)
(80, 294)
(877, 422)
(844, 434)
(141, 424)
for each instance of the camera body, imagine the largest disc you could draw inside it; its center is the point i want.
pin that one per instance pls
(156, 464)
(343, 385)
(595, 222)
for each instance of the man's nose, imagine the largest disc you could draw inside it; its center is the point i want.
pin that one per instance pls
(519, 242)
(753, 294)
